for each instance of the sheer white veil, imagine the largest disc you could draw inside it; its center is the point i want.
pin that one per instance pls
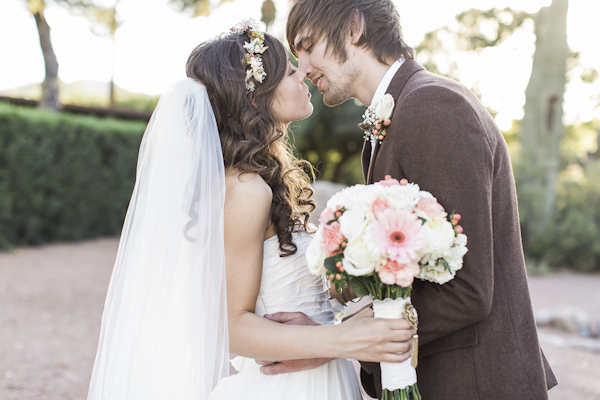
(164, 328)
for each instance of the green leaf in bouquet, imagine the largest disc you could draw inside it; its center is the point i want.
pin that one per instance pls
(359, 287)
(330, 264)
(445, 264)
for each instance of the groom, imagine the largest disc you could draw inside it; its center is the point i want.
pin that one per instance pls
(478, 338)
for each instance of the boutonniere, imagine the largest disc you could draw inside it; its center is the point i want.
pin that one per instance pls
(377, 119)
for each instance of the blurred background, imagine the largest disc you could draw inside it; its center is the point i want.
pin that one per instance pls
(80, 78)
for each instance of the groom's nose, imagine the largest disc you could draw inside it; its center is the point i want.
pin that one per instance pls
(304, 65)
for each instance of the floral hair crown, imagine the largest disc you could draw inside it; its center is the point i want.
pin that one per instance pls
(254, 48)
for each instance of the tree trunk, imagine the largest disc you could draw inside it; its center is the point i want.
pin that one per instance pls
(542, 128)
(50, 85)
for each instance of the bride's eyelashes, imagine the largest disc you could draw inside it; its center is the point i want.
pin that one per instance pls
(292, 71)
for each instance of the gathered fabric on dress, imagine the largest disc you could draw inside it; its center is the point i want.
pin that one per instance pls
(288, 286)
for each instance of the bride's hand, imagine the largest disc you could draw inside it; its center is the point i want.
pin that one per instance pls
(375, 339)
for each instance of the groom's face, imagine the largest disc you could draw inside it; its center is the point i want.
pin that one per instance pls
(334, 79)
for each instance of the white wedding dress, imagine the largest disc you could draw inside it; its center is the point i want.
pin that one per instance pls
(287, 285)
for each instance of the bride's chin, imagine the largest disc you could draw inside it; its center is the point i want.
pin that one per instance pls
(308, 113)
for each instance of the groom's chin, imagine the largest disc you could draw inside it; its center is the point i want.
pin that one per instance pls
(335, 101)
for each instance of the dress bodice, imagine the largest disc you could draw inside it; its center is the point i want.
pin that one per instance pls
(287, 284)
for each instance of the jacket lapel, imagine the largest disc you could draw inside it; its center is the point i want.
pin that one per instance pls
(366, 158)
(369, 179)
(406, 70)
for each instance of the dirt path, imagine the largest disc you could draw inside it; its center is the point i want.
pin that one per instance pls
(51, 300)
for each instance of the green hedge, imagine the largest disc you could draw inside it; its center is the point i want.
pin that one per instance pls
(63, 177)
(572, 238)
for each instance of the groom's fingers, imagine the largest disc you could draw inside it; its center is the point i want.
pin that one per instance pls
(284, 367)
(294, 318)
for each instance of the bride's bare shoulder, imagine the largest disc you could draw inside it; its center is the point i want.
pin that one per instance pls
(247, 186)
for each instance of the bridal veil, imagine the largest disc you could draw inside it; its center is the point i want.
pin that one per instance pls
(164, 328)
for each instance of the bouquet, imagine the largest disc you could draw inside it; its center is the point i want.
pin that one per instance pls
(378, 238)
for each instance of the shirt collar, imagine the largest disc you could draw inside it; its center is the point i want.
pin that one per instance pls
(386, 80)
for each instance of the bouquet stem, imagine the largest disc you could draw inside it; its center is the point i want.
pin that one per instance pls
(409, 393)
(399, 380)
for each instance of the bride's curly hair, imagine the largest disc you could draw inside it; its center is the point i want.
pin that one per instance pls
(253, 141)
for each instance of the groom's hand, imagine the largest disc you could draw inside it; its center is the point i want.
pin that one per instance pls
(282, 367)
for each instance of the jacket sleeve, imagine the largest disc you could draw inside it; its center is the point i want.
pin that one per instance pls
(441, 145)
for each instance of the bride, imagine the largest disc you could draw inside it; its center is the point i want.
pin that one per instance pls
(215, 238)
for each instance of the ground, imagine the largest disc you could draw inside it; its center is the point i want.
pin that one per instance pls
(51, 301)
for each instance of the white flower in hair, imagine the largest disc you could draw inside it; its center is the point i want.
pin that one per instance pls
(255, 48)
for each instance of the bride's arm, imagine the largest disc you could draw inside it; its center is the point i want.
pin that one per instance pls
(247, 206)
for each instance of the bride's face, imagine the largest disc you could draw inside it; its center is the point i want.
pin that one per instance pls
(292, 98)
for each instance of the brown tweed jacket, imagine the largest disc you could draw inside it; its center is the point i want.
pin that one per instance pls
(478, 338)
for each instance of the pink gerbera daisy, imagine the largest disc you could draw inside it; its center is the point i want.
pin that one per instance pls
(393, 273)
(400, 234)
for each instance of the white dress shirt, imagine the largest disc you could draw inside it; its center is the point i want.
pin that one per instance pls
(383, 87)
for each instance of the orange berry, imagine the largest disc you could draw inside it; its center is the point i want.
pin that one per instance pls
(404, 181)
(338, 276)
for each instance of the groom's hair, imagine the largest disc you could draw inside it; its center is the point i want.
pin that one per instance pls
(335, 20)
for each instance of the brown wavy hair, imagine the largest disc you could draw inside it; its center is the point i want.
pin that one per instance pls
(334, 20)
(253, 141)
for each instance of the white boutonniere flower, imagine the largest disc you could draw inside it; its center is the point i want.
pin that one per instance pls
(378, 118)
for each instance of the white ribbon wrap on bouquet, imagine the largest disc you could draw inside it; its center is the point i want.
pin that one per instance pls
(394, 375)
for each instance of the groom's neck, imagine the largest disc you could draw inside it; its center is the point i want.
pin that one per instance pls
(371, 72)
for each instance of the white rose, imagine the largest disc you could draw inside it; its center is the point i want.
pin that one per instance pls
(315, 256)
(359, 257)
(352, 223)
(439, 237)
(403, 197)
(344, 197)
(384, 107)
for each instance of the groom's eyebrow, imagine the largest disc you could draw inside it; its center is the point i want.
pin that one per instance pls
(304, 43)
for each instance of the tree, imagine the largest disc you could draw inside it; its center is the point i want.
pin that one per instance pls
(542, 127)
(477, 29)
(104, 22)
(50, 86)
(204, 7)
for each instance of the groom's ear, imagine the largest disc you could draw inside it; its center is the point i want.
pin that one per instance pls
(357, 26)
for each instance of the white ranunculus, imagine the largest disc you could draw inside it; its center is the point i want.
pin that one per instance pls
(456, 253)
(359, 257)
(315, 256)
(384, 107)
(352, 223)
(436, 274)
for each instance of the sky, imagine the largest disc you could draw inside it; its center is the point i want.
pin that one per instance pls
(154, 41)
